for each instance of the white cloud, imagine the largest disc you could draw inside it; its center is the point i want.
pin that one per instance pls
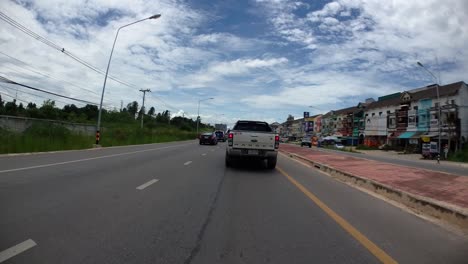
(343, 52)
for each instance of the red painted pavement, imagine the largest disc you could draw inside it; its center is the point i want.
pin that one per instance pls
(449, 188)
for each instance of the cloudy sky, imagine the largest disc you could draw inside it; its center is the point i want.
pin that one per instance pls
(259, 59)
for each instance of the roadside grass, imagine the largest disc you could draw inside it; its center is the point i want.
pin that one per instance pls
(40, 137)
(460, 156)
(129, 135)
(46, 137)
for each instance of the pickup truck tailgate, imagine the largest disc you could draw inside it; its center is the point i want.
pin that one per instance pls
(253, 140)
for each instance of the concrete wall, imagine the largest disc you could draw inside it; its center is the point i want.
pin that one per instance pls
(20, 124)
(377, 125)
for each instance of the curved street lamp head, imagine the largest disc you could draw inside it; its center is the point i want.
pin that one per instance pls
(155, 16)
(420, 64)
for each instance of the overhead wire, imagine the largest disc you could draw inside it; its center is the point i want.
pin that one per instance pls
(6, 80)
(36, 95)
(32, 69)
(14, 98)
(51, 44)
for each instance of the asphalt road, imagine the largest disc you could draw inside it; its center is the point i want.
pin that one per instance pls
(177, 203)
(423, 164)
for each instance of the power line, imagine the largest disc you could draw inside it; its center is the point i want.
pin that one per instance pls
(41, 73)
(36, 95)
(51, 44)
(6, 80)
(14, 98)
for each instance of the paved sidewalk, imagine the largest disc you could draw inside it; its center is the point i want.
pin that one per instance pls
(439, 186)
(416, 157)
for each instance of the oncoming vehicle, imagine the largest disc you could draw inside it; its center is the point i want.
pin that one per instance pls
(252, 140)
(208, 138)
(220, 135)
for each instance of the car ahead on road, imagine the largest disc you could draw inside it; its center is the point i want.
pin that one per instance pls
(208, 138)
(252, 140)
(220, 135)
(306, 141)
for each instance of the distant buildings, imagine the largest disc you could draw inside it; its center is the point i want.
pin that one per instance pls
(405, 119)
(222, 127)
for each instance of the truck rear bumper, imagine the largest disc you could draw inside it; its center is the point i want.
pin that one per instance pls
(244, 153)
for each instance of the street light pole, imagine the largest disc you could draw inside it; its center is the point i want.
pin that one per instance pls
(143, 106)
(438, 109)
(98, 126)
(198, 112)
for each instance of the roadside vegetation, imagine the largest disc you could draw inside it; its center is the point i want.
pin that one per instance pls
(364, 147)
(119, 127)
(460, 156)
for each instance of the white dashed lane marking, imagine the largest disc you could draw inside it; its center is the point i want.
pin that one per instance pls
(15, 250)
(143, 186)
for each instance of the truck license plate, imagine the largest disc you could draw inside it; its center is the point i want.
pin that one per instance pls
(253, 152)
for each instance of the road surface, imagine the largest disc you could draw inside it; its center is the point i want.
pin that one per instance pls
(177, 203)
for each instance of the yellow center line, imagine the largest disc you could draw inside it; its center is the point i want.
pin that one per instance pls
(369, 245)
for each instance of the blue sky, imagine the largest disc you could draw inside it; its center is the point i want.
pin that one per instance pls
(259, 59)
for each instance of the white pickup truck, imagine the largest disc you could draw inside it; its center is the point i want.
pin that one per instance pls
(252, 140)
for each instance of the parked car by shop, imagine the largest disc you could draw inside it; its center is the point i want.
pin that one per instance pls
(208, 138)
(306, 141)
(339, 146)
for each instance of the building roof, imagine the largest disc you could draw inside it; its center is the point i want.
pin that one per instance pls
(431, 91)
(417, 94)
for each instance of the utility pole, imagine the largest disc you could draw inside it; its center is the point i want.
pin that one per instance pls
(121, 105)
(143, 105)
(439, 111)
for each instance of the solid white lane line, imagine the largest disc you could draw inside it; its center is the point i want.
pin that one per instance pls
(95, 158)
(143, 186)
(204, 154)
(15, 250)
(187, 163)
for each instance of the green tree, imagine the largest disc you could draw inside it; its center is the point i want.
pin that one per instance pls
(32, 111)
(11, 108)
(132, 108)
(48, 110)
(2, 105)
(91, 111)
(21, 111)
(151, 111)
(31, 106)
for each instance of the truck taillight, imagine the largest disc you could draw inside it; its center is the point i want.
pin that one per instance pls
(230, 139)
(276, 142)
(276, 138)
(231, 136)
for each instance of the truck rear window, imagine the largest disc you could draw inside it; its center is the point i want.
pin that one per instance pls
(253, 126)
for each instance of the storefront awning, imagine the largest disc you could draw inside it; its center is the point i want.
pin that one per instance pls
(407, 134)
(417, 135)
(430, 135)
